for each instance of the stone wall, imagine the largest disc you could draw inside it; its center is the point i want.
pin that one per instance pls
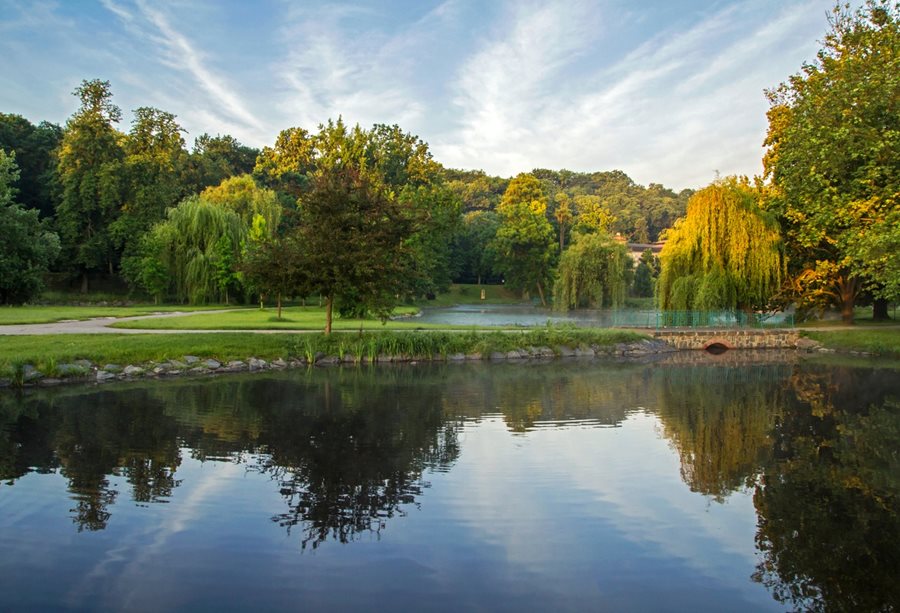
(731, 339)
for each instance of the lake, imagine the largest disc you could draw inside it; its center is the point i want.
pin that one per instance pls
(741, 482)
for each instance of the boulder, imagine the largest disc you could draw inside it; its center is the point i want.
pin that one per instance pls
(103, 375)
(211, 364)
(133, 371)
(191, 360)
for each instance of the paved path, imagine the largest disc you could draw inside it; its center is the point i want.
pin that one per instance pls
(101, 325)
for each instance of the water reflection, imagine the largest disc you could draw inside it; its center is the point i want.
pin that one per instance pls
(350, 451)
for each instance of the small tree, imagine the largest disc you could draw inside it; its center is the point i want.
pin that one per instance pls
(591, 273)
(645, 275)
(275, 267)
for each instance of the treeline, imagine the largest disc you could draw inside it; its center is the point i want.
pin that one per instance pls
(363, 218)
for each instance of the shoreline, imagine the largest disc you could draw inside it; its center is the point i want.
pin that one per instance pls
(87, 372)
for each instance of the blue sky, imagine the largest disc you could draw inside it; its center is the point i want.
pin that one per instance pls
(668, 91)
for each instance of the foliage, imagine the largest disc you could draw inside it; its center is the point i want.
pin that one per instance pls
(591, 274)
(35, 150)
(473, 253)
(242, 196)
(833, 159)
(275, 267)
(726, 253)
(524, 241)
(434, 211)
(27, 248)
(89, 158)
(645, 275)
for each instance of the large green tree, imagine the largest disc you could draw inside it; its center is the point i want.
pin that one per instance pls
(524, 243)
(27, 248)
(725, 254)
(89, 162)
(833, 160)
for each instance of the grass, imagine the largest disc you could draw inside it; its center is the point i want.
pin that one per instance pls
(46, 353)
(873, 340)
(40, 314)
(293, 318)
(466, 293)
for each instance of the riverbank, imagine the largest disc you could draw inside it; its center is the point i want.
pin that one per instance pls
(51, 360)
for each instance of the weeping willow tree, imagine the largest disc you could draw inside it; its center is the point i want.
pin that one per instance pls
(243, 196)
(199, 246)
(725, 254)
(591, 273)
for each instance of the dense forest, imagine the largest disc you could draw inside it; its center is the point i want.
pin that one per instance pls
(365, 217)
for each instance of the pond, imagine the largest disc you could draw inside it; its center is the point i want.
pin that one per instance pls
(731, 483)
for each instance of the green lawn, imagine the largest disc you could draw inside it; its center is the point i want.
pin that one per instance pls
(293, 318)
(41, 314)
(878, 341)
(135, 348)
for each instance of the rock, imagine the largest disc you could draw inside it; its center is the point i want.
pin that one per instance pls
(545, 352)
(114, 368)
(199, 370)
(102, 376)
(191, 359)
(516, 355)
(296, 363)
(256, 364)
(328, 360)
(497, 355)
(236, 365)
(177, 364)
(566, 352)
(211, 364)
(473, 356)
(160, 370)
(30, 374)
(133, 371)
(456, 357)
(808, 344)
(72, 370)
(49, 381)
(279, 363)
(585, 352)
(85, 364)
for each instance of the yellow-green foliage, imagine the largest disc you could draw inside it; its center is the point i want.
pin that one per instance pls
(726, 253)
(591, 273)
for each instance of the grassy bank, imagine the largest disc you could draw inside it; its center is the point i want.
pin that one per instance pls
(874, 340)
(41, 314)
(293, 318)
(47, 352)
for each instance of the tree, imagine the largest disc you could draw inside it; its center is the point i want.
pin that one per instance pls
(214, 159)
(591, 273)
(27, 248)
(285, 167)
(833, 160)
(275, 267)
(725, 254)
(35, 149)
(353, 236)
(434, 214)
(524, 241)
(243, 196)
(592, 216)
(151, 175)
(645, 275)
(89, 158)
(563, 215)
(473, 246)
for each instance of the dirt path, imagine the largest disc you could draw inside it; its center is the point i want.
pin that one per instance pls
(100, 325)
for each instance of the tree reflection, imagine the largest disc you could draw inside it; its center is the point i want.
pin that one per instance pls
(719, 420)
(827, 505)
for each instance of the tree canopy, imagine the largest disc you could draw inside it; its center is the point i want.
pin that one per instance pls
(725, 254)
(833, 160)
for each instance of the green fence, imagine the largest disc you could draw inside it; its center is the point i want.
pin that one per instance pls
(700, 319)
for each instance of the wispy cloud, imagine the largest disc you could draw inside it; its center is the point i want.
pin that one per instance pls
(178, 52)
(675, 109)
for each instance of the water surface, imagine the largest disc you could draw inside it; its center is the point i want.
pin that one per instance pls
(696, 484)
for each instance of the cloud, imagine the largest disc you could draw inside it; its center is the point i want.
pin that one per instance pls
(674, 109)
(217, 98)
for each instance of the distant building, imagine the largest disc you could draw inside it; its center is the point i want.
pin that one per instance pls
(636, 250)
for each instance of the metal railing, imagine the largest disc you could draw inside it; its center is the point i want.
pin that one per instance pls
(700, 319)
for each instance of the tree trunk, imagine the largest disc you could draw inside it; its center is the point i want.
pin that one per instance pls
(226, 296)
(880, 310)
(541, 294)
(279, 306)
(84, 282)
(329, 302)
(562, 238)
(848, 290)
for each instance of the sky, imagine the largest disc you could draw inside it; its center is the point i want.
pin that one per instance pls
(669, 91)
